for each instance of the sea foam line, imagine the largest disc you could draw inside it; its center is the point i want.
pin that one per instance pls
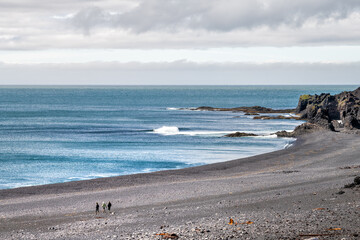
(171, 130)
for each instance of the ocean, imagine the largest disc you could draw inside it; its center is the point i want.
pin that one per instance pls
(60, 134)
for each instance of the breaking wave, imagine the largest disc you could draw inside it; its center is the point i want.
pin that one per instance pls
(170, 130)
(165, 130)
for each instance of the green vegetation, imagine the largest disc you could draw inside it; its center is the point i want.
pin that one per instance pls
(305, 97)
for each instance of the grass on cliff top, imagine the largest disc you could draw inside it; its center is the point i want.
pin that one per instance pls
(305, 97)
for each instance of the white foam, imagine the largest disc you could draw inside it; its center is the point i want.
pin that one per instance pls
(172, 108)
(100, 175)
(288, 145)
(210, 133)
(166, 130)
(267, 136)
(78, 178)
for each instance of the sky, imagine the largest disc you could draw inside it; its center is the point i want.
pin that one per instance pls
(179, 42)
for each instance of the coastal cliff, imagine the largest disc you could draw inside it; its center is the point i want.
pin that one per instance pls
(324, 112)
(340, 111)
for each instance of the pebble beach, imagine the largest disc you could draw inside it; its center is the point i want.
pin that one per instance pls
(295, 193)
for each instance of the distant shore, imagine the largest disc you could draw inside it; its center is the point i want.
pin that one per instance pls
(293, 193)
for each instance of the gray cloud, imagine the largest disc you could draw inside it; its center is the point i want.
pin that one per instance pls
(26, 24)
(215, 15)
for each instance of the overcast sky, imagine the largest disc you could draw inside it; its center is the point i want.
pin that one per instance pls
(136, 42)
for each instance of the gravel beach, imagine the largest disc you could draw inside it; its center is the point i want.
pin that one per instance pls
(295, 193)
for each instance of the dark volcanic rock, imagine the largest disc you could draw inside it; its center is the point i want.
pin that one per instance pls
(250, 110)
(304, 128)
(325, 109)
(353, 184)
(284, 134)
(275, 117)
(240, 134)
(250, 113)
(357, 180)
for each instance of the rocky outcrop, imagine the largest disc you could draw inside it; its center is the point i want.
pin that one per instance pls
(275, 117)
(304, 128)
(330, 111)
(248, 110)
(240, 134)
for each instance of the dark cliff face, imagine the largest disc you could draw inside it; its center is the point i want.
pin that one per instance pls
(340, 110)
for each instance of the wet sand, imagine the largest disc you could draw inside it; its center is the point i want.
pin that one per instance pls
(287, 194)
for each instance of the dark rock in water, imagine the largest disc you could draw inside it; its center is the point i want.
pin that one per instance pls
(250, 113)
(284, 134)
(330, 112)
(275, 117)
(251, 110)
(304, 128)
(240, 134)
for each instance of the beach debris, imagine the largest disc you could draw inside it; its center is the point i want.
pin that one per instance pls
(70, 214)
(247, 222)
(353, 184)
(340, 192)
(315, 235)
(357, 180)
(318, 209)
(350, 167)
(168, 235)
(334, 229)
(290, 171)
(231, 222)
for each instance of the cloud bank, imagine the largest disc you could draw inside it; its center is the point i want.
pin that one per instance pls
(215, 15)
(28, 24)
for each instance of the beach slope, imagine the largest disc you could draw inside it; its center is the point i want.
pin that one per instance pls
(295, 193)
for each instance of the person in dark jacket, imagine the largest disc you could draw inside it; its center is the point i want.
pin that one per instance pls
(109, 206)
(97, 208)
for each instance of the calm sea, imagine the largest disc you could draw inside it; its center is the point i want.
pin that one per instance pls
(60, 134)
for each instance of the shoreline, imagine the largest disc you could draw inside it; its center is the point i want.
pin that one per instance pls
(277, 191)
(118, 181)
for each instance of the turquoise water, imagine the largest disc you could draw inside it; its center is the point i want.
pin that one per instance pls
(54, 134)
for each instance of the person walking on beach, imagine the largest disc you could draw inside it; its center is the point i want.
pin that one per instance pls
(103, 206)
(97, 208)
(109, 206)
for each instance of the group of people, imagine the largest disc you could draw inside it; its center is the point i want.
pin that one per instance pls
(104, 206)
